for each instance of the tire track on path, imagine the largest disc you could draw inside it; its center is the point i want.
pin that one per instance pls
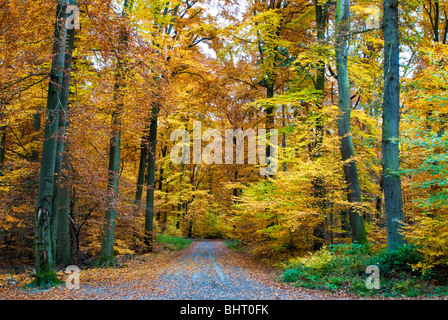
(207, 272)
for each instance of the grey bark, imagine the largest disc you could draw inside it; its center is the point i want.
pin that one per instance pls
(152, 146)
(2, 148)
(108, 239)
(390, 134)
(344, 130)
(45, 276)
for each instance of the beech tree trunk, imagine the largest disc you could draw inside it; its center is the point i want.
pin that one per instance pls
(347, 151)
(107, 244)
(391, 119)
(44, 218)
(152, 145)
(2, 147)
(142, 169)
(62, 168)
(319, 182)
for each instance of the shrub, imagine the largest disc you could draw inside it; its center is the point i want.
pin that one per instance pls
(399, 260)
(343, 267)
(290, 275)
(319, 261)
(232, 244)
(173, 242)
(349, 249)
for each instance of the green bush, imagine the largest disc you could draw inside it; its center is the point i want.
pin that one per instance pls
(173, 242)
(290, 275)
(232, 244)
(349, 249)
(398, 260)
(342, 267)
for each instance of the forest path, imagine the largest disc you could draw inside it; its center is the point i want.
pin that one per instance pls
(208, 270)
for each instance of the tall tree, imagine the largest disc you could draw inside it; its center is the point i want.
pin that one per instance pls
(108, 239)
(344, 131)
(2, 146)
(152, 148)
(62, 168)
(391, 119)
(319, 84)
(142, 168)
(45, 216)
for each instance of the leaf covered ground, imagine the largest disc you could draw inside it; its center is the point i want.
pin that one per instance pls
(207, 270)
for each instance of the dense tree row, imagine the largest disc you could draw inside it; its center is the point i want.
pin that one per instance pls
(355, 89)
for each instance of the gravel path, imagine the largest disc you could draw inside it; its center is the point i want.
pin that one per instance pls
(207, 270)
(210, 271)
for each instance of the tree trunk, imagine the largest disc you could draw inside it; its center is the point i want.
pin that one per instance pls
(108, 239)
(43, 241)
(391, 118)
(321, 18)
(107, 243)
(62, 167)
(37, 117)
(347, 151)
(319, 182)
(142, 169)
(2, 148)
(269, 114)
(161, 170)
(284, 135)
(152, 144)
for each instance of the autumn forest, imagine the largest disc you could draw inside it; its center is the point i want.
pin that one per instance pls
(309, 135)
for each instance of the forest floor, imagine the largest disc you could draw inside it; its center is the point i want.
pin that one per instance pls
(207, 270)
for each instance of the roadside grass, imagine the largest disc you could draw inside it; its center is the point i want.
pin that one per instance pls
(343, 268)
(233, 244)
(172, 242)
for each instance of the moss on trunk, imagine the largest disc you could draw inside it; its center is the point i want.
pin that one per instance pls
(45, 280)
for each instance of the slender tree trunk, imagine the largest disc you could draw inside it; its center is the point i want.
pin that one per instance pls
(161, 170)
(108, 239)
(142, 167)
(43, 241)
(2, 148)
(283, 135)
(269, 113)
(321, 18)
(319, 182)
(63, 253)
(391, 119)
(347, 151)
(107, 243)
(62, 167)
(152, 144)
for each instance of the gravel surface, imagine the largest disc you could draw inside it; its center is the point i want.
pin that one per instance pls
(210, 271)
(207, 270)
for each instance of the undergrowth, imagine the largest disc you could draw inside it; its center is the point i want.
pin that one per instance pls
(173, 242)
(343, 267)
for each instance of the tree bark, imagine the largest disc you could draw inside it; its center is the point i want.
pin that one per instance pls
(62, 187)
(142, 169)
(152, 145)
(318, 182)
(43, 241)
(344, 131)
(2, 148)
(108, 239)
(391, 119)
(321, 18)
